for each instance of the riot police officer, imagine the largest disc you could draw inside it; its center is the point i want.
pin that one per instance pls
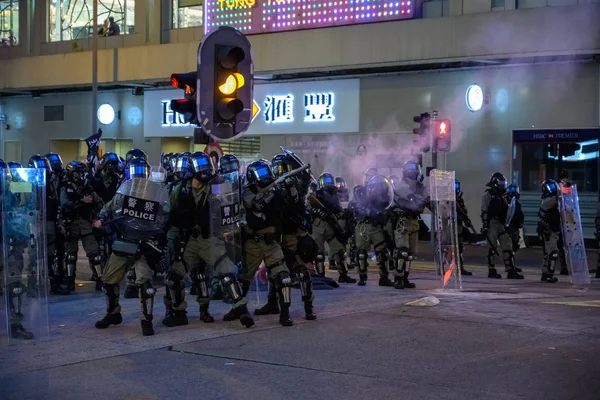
(549, 229)
(597, 234)
(463, 223)
(147, 213)
(329, 226)
(410, 199)
(343, 192)
(373, 201)
(518, 217)
(80, 206)
(263, 201)
(194, 247)
(54, 226)
(294, 230)
(494, 209)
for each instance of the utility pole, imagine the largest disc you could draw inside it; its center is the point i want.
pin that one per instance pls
(433, 145)
(95, 68)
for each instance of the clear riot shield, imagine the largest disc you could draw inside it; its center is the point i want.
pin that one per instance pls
(225, 212)
(24, 261)
(570, 223)
(445, 233)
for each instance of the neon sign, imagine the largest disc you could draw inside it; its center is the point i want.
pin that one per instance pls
(264, 16)
(279, 109)
(318, 107)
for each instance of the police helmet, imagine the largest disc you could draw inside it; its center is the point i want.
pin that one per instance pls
(260, 173)
(3, 164)
(380, 193)
(370, 173)
(39, 161)
(513, 191)
(137, 168)
(549, 188)
(183, 167)
(340, 183)
(457, 187)
(134, 153)
(56, 162)
(280, 165)
(497, 181)
(228, 163)
(202, 165)
(327, 181)
(14, 164)
(76, 172)
(411, 170)
(173, 161)
(110, 163)
(165, 161)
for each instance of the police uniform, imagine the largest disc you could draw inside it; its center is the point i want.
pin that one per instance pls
(549, 230)
(494, 210)
(598, 237)
(78, 217)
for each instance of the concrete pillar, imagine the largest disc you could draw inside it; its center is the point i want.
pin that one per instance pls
(455, 7)
(153, 26)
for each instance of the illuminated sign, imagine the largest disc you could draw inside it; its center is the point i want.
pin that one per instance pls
(264, 16)
(279, 109)
(318, 107)
(474, 98)
(170, 117)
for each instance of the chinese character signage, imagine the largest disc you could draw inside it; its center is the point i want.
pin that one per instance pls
(264, 16)
(145, 210)
(230, 214)
(309, 107)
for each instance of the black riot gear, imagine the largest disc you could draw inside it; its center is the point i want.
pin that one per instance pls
(228, 163)
(13, 164)
(134, 153)
(202, 166)
(259, 173)
(165, 161)
(342, 189)
(183, 167)
(327, 182)
(280, 165)
(77, 173)
(370, 173)
(497, 182)
(411, 170)
(3, 164)
(138, 168)
(110, 163)
(549, 188)
(39, 161)
(513, 191)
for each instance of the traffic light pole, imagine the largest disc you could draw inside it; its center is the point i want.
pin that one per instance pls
(95, 68)
(434, 165)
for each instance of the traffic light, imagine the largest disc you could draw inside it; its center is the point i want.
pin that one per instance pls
(186, 107)
(225, 84)
(443, 135)
(424, 121)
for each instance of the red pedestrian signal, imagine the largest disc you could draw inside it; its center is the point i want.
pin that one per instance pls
(443, 132)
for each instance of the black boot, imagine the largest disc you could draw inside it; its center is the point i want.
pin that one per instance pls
(549, 278)
(407, 283)
(108, 320)
(18, 332)
(284, 317)
(465, 272)
(231, 316)
(309, 315)
(385, 281)
(244, 315)
(492, 273)
(346, 279)
(147, 328)
(598, 272)
(175, 318)
(131, 292)
(205, 315)
(362, 280)
(398, 282)
(513, 274)
(565, 271)
(271, 307)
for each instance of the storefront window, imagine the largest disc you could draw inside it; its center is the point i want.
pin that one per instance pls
(72, 19)
(9, 22)
(187, 13)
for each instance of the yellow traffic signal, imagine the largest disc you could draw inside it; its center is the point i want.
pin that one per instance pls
(232, 83)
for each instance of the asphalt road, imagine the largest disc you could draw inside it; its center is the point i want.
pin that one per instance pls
(496, 339)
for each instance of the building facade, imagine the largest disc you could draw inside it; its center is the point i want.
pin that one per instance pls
(331, 76)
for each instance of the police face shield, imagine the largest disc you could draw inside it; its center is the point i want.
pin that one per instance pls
(414, 173)
(43, 163)
(550, 187)
(183, 168)
(138, 171)
(203, 169)
(79, 177)
(501, 186)
(263, 175)
(326, 181)
(55, 162)
(380, 193)
(279, 168)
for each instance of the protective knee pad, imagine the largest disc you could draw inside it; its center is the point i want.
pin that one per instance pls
(341, 258)
(320, 263)
(179, 249)
(363, 264)
(305, 283)
(112, 296)
(15, 291)
(509, 261)
(401, 256)
(551, 261)
(490, 258)
(147, 293)
(71, 262)
(283, 282)
(96, 262)
(175, 287)
(233, 287)
(200, 280)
